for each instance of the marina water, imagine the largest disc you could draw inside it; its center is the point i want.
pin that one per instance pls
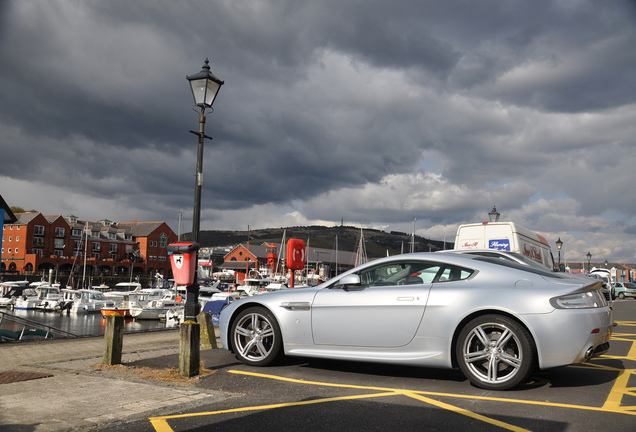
(91, 324)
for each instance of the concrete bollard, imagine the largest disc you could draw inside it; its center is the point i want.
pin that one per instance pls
(189, 351)
(208, 336)
(114, 337)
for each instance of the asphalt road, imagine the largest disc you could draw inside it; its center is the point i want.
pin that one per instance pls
(315, 395)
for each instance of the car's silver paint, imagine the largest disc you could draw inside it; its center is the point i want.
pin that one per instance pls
(416, 324)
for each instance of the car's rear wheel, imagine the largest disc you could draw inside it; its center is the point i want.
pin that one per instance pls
(256, 337)
(494, 352)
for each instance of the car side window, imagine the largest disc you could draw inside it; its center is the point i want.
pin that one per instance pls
(454, 273)
(400, 273)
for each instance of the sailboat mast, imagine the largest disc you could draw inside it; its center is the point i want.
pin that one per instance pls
(85, 250)
(413, 237)
(247, 260)
(336, 254)
(179, 228)
(280, 252)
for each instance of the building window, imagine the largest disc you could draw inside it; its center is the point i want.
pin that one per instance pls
(38, 230)
(112, 247)
(38, 242)
(113, 256)
(9, 250)
(96, 255)
(16, 250)
(76, 232)
(97, 246)
(60, 232)
(162, 258)
(38, 252)
(78, 245)
(17, 238)
(163, 240)
(57, 253)
(58, 243)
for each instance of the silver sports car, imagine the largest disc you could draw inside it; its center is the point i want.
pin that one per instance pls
(496, 320)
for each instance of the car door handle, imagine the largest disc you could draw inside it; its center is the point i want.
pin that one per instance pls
(406, 298)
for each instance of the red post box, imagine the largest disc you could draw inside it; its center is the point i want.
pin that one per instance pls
(295, 254)
(183, 260)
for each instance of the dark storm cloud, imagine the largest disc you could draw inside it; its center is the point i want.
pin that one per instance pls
(375, 111)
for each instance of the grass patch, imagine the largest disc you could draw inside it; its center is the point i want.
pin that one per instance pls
(167, 376)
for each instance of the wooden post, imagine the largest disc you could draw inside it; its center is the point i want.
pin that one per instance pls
(189, 354)
(208, 336)
(114, 336)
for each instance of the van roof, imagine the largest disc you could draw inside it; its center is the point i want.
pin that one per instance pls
(515, 228)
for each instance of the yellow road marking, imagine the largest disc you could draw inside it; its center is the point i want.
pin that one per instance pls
(161, 424)
(612, 404)
(464, 412)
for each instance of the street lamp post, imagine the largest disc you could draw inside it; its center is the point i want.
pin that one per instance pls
(494, 214)
(589, 259)
(205, 86)
(559, 245)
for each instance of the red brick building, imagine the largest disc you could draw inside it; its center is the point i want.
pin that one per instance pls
(35, 244)
(265, 256)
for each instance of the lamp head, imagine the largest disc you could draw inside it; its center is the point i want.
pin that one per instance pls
(494, 215)
(205, 86)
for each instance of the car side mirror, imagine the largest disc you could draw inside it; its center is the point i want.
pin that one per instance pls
(562, 268)
(351, 282)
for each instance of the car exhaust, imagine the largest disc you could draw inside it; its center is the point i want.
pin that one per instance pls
(589, 353)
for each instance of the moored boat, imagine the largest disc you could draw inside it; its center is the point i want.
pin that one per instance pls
(123, 306)
(154, 307)
(85, 301)
(51, 298)
(125, 312)
(27, 300)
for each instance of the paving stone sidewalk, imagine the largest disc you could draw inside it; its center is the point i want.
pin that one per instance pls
(60, 388)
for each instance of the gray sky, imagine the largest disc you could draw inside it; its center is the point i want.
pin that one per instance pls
(372, 112)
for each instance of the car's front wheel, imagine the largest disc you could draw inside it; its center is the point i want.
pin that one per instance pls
(621, 295)
(494, 352)
(256, 337)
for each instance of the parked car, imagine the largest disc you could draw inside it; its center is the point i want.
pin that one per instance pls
(625, 289)
(493, 319)
(607, 287)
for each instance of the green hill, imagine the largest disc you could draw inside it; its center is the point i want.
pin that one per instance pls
(377, 242)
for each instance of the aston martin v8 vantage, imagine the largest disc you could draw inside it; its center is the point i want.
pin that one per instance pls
(497, 321)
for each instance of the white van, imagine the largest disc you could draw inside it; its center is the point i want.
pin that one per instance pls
(506, 236)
